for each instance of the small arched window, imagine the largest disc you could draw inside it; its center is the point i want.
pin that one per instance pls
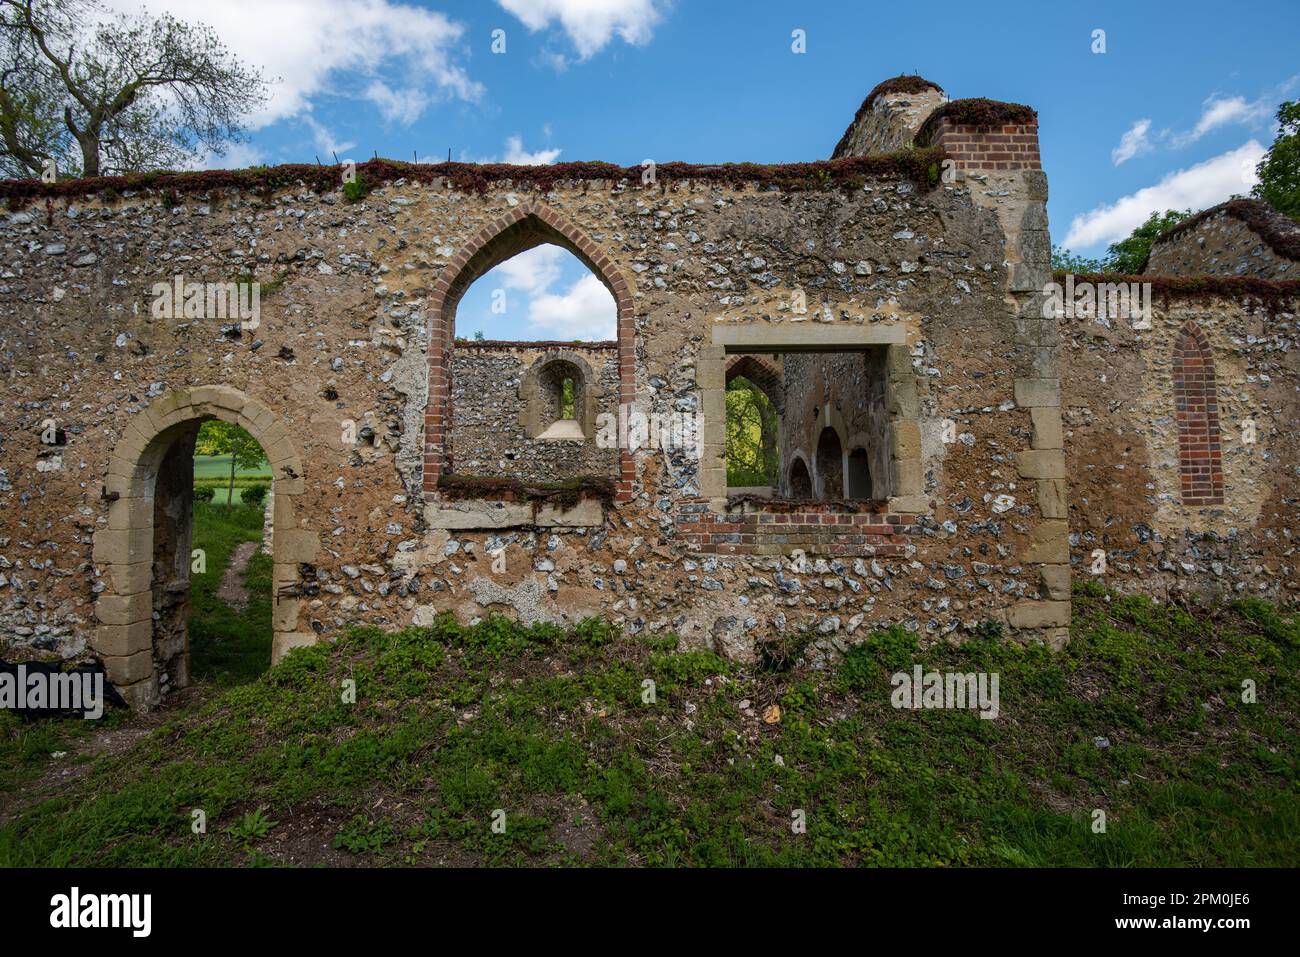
(560, 396)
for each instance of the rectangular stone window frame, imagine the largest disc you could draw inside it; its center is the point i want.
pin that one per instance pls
(902, 402)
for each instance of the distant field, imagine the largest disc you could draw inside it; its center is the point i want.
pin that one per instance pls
(218, 467)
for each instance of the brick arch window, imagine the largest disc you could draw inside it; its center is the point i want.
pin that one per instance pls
(1196, 407)
(525, 226)
(763, 373)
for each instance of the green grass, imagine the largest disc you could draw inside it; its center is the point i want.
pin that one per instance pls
(229, 646)
(213, 471)
(216, 468)
(451, 723)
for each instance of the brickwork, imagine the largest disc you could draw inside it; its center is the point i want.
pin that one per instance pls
(815, 528)
(990, 504)
(525, 226)
(1013, 146)
(1196, 404)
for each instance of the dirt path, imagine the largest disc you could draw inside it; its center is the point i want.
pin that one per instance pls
(231, 591)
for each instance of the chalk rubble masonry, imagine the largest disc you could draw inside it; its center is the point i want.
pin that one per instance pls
(1066, 435)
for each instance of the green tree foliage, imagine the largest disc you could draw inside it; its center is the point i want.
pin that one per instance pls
(752, 429)
(1063, 260)
(1130, 255)
(1127, 256)
(1279, 171)
(567, 404)
(103, 94)
(225, 438)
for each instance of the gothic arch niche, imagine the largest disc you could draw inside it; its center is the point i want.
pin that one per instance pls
(525, 226)
(800, 480)
(144, 551)
(1196, 409)
(829, 465)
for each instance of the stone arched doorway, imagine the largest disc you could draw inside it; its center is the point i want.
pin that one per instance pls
(142, 536)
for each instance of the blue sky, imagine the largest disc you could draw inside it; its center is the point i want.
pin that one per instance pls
(1173, 114)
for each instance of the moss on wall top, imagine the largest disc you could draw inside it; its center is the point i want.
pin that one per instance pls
(904, 83)
(976, 111)
(1280, 232)
(1271, 293)
(918, 165)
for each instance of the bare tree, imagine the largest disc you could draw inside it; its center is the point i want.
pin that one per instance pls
(120, 94)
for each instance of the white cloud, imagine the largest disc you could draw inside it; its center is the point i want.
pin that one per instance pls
(397, 106)
(312, 45)
(585, 311)
(235, 156)
(1132, 143)
(515, 153)
(325, 141)
(1195, 188)
(533, 271)
(590, 24)
(1221, 111)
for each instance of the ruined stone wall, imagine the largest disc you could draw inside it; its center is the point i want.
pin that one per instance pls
(889, 120)
(1223, 243)
(846, 392)
(939, 275)
(1121, 417)
(490, 411)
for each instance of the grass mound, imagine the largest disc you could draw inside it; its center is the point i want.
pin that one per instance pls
(497, 744)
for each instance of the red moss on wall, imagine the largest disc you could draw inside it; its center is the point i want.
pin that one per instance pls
(563, 494)
(1243, 289)
(895, 84)
(917, 165)
(976, 111)
(1281, 233)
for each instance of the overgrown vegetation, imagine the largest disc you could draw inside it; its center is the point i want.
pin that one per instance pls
(1279, 170)
(752, 428)
(1128, 255)
(229, 645)
(218, 438)
(565, 493)
(588, 762)
(851, 173)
